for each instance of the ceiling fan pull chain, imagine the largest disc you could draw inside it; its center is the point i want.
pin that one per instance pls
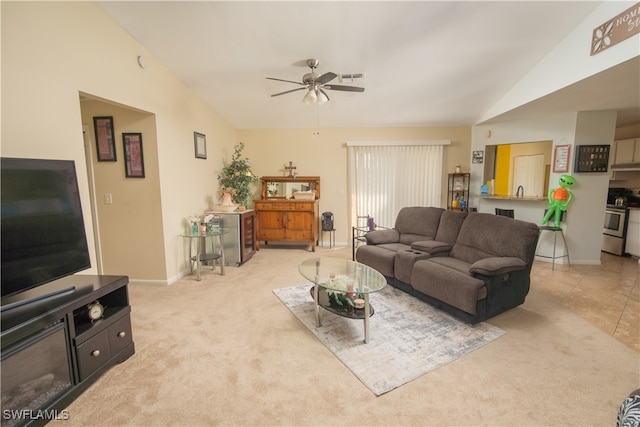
(317, 132)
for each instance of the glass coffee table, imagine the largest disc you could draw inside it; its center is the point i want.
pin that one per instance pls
(342, 287)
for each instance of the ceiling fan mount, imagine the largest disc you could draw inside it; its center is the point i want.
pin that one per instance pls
(315, 84)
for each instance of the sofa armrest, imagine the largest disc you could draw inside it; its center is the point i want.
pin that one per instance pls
(431, 246)
(378, 237)
(496, 265)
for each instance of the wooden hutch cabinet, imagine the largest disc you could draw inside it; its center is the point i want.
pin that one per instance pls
(288, 210)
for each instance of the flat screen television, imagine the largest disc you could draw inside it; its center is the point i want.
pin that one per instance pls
(42, 228)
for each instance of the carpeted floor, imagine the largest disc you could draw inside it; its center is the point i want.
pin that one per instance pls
(226, 351)
(408, 338)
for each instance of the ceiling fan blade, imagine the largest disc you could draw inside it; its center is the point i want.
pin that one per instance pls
(344, 88)
(288, 91)
(281, 80)
(326, 78)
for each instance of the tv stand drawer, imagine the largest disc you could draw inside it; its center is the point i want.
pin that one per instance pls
(92, 354)
(120, 335)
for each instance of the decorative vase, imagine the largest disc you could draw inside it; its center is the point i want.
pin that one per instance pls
(226, 199)
(194, 227)
(227, 204)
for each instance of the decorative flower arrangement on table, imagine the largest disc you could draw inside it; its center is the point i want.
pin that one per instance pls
(201, 224)
(341, 293)
(226, 190)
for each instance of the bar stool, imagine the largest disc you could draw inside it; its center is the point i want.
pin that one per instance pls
(555, 231)
(505, 212)
(332, 237)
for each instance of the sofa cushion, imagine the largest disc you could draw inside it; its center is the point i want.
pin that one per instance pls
(485, 235)
(452, 263)
(417, 223)
(497, 265)
(450, 286)
(404, 262)
(378, 258)
(450, 225)
(432, 247)
(377, 237)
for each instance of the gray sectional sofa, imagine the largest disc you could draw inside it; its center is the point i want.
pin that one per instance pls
(472, 265)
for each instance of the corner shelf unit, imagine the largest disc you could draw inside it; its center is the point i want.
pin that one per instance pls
(457, 191)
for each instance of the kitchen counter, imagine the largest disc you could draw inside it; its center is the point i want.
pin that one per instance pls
(522, 199)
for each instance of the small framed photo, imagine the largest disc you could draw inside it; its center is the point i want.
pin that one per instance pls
(477, 157)
(133, 158)
(105, 144)
(200, 143)
(561, 158)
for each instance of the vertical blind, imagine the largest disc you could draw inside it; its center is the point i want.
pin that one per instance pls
(385, 178)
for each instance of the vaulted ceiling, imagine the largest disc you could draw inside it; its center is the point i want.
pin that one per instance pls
(424, 62)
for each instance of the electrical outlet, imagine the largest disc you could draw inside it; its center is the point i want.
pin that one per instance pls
(108, 200)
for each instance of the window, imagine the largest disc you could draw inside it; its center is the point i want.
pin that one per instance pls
(387, 176)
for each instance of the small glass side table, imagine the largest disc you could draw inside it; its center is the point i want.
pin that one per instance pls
(200, 240)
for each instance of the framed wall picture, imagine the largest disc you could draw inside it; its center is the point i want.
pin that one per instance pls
(591, 158)
(561, 158)
(477, 157)
(200, 143)
(105, 144)
(133, 158)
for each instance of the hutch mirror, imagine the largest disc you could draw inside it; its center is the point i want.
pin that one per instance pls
(285, 187)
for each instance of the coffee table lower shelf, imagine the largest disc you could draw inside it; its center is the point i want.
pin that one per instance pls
(348, 312)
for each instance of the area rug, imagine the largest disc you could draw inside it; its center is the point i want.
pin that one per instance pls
(408, 337)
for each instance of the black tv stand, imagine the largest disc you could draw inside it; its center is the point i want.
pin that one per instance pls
(38, 298)
(48, 340)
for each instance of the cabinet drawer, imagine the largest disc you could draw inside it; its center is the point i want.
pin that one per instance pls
(271, 234)
(299, 235)
(263, 205)
(92, 354)
(119, 335)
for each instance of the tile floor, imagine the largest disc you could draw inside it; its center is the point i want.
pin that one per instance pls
(607, 295)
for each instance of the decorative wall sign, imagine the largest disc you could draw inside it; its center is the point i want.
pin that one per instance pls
(561, 158)
(592, 158)
(477, 157)
(106, 147)
(620, 28)
(200, 143)
(133, 159)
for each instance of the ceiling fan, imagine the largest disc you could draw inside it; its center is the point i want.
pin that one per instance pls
(315, 85)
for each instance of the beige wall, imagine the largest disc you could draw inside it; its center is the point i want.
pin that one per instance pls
(325, 155)
(52, 51)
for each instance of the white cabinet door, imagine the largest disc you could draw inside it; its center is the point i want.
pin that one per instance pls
(633, 233)
(627, 151)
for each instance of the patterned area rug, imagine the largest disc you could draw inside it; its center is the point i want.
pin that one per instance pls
(408, 337)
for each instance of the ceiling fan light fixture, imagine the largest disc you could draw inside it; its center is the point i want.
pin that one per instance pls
(310, 97)
(322, 98)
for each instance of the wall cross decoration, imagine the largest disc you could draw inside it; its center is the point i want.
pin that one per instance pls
(290, 168)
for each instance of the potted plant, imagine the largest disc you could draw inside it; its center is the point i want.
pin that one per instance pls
(237, 175)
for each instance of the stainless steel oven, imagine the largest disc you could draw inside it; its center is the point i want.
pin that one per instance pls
(614, 221)
(614, 232)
